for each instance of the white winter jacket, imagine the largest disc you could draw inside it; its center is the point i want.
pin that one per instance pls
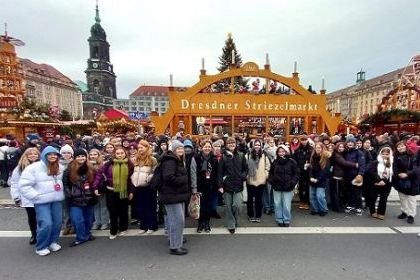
(141, 176)
(15, 189)
(36, 186)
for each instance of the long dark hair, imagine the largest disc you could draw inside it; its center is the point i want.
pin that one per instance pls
(77, 170)
(254, 153)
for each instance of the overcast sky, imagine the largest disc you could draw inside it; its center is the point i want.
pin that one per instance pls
(151, 39)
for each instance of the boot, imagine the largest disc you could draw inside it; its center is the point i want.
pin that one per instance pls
(207, 227)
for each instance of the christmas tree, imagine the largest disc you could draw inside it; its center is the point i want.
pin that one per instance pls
(225, 61)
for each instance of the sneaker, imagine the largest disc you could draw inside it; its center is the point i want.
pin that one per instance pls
(179, 252)
(207, 228)
(286, 225)
(402, 216)
(104, 227)
(410, 220)
(305, 206)
(142, 231)
(375, 215)
(43, 252)
(359, 212)
(232, 231)
(112, 237)
(380, 217)
(134, 222)
(55, 247)
(349, 209)
(32, 241)
(149, 231)
(96, 227)
(122, 233)
(257, 220)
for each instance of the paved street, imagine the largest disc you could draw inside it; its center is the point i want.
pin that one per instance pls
(337, 246)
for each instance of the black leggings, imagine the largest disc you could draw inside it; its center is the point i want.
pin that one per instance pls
(30, 211)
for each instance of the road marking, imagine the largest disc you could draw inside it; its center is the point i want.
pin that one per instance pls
(408, 229)
(255, 230)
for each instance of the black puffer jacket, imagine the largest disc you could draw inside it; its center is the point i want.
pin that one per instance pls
(233, 171)
(76, 193)
(284, 174)
(174, 187)
(404, 163)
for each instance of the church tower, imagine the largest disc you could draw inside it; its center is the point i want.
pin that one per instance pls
(100, 74)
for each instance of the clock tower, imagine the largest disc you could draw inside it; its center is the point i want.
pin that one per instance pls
(100, 74)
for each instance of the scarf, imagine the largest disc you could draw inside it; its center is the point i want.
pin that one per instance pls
(120, 177)
(206, 167)
(385, 172)
(253, 166)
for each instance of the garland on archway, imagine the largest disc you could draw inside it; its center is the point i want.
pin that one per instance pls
(389, 115)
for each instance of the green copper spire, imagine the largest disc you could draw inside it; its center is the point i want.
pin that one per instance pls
(97, 18)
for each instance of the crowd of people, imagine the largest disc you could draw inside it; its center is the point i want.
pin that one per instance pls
(104, 182)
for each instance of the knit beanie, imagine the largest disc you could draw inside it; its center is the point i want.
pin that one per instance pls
(176, 144)
(335, 139)
(188, 143)
(350, 138)
(67, 149)
(32, 137)
(80, 152)
(285, 148)
(218, 142)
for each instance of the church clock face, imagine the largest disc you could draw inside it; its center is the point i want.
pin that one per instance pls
(95, 65)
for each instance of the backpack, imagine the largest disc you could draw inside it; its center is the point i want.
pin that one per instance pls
(157, 180)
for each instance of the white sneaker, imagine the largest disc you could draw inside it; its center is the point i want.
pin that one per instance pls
(122, 233)
(359, 212)
(112, 237)
(142, 231)
(55, 247)
(149, 231)
(349, 209)
(43, 252)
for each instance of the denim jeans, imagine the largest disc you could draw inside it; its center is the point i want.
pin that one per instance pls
(233, 203)
(82, 219)
(48, 218)
(267, 197)
(283, 206)
(101, 212)
(317, 199)
(175, 223)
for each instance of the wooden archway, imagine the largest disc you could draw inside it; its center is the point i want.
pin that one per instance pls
(195, 102)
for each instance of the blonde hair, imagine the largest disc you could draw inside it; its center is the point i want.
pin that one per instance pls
(324, 156)
(24, 161)
(146, 158)
(100, 160)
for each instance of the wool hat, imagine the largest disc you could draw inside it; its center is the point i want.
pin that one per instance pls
(67, 149)
(218, 143)
(335, 139)
(80, 152)
(32, 137)
(350, 138)
(285, 148)
(175, 144)
(188, 143)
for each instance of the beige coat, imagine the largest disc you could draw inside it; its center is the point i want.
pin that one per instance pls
(262, 172)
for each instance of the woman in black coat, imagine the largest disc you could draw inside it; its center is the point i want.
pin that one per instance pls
(406, 181)
(173, 193)
(339, 165)
(381, 172)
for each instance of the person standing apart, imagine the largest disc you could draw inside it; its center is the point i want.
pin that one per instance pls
(258, 168)
(41, 183)
(233, 172)
(319, 172)
(144, 195)
(173, 193)
(29, 156)
(80, 196)
(117, 172)
(284, 176)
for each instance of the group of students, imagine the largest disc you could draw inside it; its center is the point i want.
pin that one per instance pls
(92, 186)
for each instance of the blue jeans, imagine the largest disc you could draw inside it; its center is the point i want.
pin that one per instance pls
(283, 206)
(317, 199)
(175, 214)
(48, 219)
(82, 220)
(267, 197)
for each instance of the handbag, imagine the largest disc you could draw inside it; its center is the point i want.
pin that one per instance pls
(194, 206)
